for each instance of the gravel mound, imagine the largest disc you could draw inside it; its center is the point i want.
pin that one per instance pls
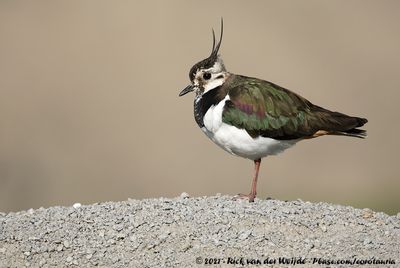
(195, 232)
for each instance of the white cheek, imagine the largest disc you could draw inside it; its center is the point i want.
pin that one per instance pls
(213, 84)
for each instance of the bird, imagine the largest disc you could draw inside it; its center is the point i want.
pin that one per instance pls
(253, 118)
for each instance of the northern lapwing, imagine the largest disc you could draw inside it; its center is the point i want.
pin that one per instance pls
(254, 118)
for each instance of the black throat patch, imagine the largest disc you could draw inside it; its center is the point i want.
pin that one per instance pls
(203, 102)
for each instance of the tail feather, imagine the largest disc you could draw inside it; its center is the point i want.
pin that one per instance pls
(336, 123)
(354, 132)
(353, 124)
(361, 121)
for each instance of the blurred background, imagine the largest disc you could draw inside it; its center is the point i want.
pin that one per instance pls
(89, 107)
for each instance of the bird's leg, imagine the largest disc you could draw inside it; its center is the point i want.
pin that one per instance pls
(253, 191)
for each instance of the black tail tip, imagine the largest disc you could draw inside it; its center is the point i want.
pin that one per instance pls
(355, 132)
(361, 121)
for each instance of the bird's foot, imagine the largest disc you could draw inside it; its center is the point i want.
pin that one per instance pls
(250, 197)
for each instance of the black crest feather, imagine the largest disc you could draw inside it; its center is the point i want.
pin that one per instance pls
(208, 62)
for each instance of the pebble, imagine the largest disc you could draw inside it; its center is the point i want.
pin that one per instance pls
(367, 241)
(141, 233)
(244, 235)
(42, 262)
(118, 227)
(66, 244)
(184, 195)
(76, 205)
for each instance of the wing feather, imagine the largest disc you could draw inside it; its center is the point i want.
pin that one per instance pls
(266, 109)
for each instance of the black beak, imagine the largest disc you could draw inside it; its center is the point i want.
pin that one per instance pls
(186, 90)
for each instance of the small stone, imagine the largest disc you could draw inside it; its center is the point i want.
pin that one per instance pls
(168, 220)
(69, 259)
(42, 262)
(31, 211)
(111, 241)
(367, 241)
(244, 235)
(66, 244)
(164, 236)
(367, 213)
(101, 233)
(286, 211)
(27, 253)
(186, 247)
(76, 205)
(120, 236)
(59, 248)
(184, 195)
(150, 246)
(118, 227)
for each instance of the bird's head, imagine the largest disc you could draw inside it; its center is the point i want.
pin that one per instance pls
(208, 73)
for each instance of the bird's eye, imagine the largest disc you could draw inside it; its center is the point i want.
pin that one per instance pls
(206, 76)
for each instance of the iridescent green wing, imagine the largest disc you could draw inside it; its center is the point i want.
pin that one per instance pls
(266, 109)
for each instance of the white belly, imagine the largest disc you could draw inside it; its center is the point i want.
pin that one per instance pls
(238, 141)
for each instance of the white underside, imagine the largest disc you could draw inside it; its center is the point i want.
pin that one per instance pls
(238, 141)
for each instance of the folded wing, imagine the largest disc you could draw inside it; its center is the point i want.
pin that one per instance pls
(266, 109)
